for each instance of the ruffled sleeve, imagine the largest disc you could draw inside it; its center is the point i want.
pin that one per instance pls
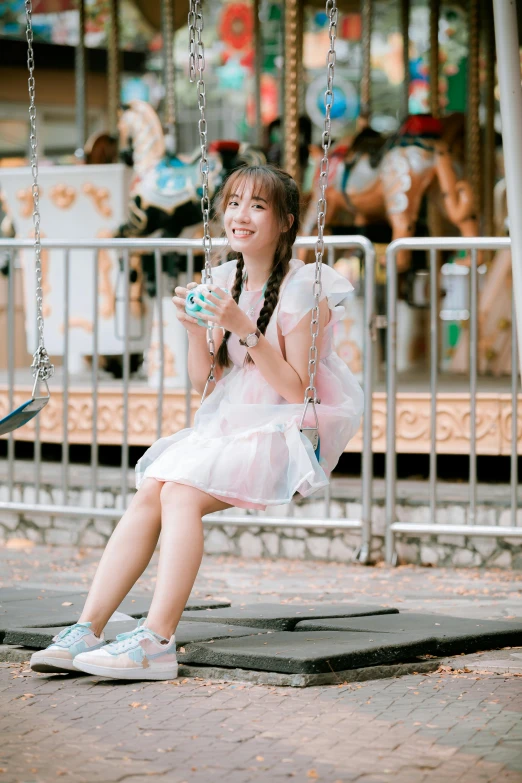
(297, 298)
(223, 275)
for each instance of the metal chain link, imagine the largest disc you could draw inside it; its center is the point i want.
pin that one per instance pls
(41, 366)
(311, 392)
(196, 68)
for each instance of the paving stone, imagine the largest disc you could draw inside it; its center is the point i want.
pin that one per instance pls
(185, 633)
(284, 617)
(454, 634)
(310, 653)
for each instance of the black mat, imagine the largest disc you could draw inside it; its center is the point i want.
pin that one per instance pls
(283, 617)
(453, 634)
(53, 608)
(38, 638)
(8, 594)
(310, 653)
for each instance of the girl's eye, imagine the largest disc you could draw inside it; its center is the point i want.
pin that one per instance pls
(232, 203)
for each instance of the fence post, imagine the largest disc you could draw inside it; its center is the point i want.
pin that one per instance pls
(391, 391)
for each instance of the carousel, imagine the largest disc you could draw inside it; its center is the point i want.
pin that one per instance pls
(434, 173)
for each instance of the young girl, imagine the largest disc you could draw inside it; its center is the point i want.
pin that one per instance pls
(245, 449)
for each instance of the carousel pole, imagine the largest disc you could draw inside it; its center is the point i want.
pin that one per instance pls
(113, 67)
(434, 58)
(258, 68)
(434, 216)
(169, 76)
(301, 97)
(291, 91)
(508, 68)
(473, 118)
(489, 138)
(405, 29)
(366, 77)
(80, 85)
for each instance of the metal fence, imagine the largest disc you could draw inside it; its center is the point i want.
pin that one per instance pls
(158, 247)
(393, 526)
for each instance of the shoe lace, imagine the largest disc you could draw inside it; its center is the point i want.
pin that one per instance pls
(71, 634)
(126, 640)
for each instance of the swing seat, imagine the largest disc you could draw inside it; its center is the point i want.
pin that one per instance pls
(21, 415)
(26, 411)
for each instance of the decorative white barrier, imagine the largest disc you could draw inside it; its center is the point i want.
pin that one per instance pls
(91, 202)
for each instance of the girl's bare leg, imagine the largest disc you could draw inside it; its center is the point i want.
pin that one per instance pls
(126, 556)
(181, 551)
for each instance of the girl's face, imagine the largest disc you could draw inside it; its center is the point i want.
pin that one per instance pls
(250, 223)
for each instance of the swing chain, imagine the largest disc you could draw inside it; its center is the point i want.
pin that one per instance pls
(311, 391)
(196, 68)
(41, 366)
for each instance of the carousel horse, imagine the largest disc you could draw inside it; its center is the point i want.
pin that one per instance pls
(375, 179)
(165, 198)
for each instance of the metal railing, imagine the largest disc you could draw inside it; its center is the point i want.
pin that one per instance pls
(393, 526)
(158, 248)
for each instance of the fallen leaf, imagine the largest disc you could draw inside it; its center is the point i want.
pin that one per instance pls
(19, 543)
(312, 773)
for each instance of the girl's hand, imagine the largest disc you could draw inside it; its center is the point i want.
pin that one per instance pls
(227, 313)
(190, 323)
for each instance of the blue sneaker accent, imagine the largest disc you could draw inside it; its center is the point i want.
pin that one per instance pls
(59, 655)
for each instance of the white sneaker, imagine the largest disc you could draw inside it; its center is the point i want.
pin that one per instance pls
(59, 656)
(140, 654)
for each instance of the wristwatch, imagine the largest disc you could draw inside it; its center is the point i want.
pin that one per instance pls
(251, 340)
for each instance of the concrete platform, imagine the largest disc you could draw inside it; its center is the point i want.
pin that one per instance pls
(310, 653)
(283, 617)
(53, 609)
(301, 643)
(454, 634)
(38, 638)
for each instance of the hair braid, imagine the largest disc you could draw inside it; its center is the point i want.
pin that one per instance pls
(222, 357)
(279, 271)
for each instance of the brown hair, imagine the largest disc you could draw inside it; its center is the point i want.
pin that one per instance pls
(282, 193)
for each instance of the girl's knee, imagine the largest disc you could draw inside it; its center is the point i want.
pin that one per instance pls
(181, 496)
(174, 494)
(149, 492)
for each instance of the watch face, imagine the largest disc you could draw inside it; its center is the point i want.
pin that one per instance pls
(252, 340)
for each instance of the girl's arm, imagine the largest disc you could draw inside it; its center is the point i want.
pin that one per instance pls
(288, 376)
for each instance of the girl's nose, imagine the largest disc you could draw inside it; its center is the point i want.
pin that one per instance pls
(243, 214)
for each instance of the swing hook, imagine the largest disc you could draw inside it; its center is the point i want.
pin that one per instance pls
(42, 368)
(311, 433)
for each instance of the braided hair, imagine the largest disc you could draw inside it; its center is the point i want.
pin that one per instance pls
(282, 193)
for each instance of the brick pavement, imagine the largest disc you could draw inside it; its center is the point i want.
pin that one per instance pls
(441, 727)
(438, 727)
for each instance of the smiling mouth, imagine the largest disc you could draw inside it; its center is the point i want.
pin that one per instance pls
(242, 232)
